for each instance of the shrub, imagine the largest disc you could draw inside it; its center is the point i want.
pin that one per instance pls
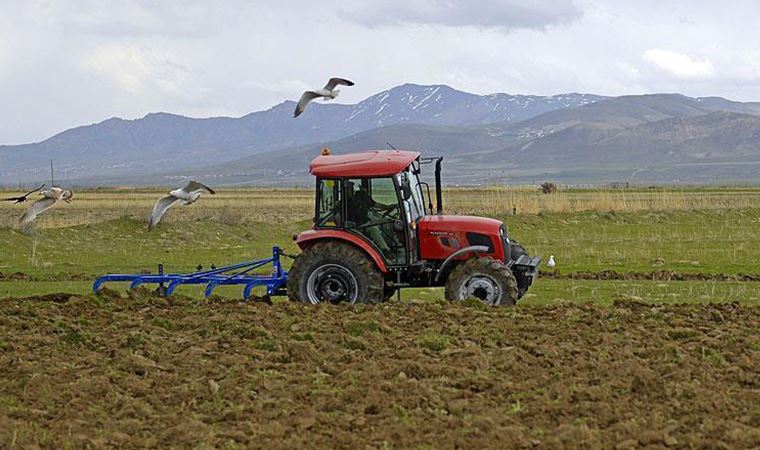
(548, 187)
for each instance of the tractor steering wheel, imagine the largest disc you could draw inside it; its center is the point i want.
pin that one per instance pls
(375, 224)
(384, 211)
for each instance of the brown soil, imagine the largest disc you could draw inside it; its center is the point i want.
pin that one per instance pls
(657, 275)
(16, 276)
(142, 372)
(21, 276)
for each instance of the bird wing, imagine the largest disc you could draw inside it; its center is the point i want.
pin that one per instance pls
(32, 192)
(332, 82)
(37, 208)
(160, 208)
(193, 186)
(305, 99)
(22, 198)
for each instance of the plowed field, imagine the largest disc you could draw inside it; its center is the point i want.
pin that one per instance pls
(147, 372)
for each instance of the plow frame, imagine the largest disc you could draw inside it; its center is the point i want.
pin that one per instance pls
(213, 278)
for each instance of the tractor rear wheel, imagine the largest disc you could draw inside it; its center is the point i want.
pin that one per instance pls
(334, 271)
(485, 279)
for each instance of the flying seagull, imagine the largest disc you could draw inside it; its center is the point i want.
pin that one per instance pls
(22, 198)
(328, 93)
(49, 198)
(187, 195)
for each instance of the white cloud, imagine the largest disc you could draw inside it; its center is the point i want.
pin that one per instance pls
(503, 14)
(74, 62)
(678, 64)
(125, 65)
(279, 87)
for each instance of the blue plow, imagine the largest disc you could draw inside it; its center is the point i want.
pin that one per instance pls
(237, 274)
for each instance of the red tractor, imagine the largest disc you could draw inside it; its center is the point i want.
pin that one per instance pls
(375, 232)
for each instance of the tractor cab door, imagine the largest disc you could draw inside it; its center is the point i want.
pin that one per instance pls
(373, 210)
(414, 208)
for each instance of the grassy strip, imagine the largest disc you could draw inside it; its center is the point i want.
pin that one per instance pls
(709, 242)
(544, 292)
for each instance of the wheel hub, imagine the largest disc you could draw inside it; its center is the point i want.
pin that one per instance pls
(483, 288)
(332, 283)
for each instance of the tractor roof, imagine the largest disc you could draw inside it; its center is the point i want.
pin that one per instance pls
(375, 163)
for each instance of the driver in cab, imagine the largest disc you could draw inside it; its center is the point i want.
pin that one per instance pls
(370, 215)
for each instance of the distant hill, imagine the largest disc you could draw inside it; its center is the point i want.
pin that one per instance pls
(161, 141)
(574, 138)
(650, 138)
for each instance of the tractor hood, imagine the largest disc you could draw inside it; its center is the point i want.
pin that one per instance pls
(460, 223)
(440, 236)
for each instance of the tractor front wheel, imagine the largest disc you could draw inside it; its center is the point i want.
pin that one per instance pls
(485, 279)
(334, 272)
(515, 252)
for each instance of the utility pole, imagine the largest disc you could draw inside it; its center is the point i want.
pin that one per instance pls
(52, 177)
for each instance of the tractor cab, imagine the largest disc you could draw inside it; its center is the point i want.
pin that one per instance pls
(375, 206)
(376, 197)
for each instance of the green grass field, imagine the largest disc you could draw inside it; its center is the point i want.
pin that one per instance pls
(76, 243)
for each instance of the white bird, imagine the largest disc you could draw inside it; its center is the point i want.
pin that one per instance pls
(49, 198)
(550, 264)
(187, 195)
(328, 93)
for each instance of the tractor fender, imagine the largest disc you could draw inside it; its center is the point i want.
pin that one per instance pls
(461, 251)
(309, 237)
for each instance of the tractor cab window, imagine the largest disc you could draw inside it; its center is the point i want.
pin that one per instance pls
(329, 204)
(373, 211)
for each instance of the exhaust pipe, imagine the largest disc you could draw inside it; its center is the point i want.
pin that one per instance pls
(438, 194)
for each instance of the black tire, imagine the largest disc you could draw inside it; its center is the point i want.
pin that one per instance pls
(334, 271)
(516, 250)
(484, 279)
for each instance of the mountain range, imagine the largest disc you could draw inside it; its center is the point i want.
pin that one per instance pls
(497, 138)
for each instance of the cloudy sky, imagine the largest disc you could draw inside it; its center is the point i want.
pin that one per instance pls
(68, 63)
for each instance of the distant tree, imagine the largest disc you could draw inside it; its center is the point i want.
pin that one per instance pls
(548, 187)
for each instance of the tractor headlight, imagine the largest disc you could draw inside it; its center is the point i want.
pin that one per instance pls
(505, 242)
